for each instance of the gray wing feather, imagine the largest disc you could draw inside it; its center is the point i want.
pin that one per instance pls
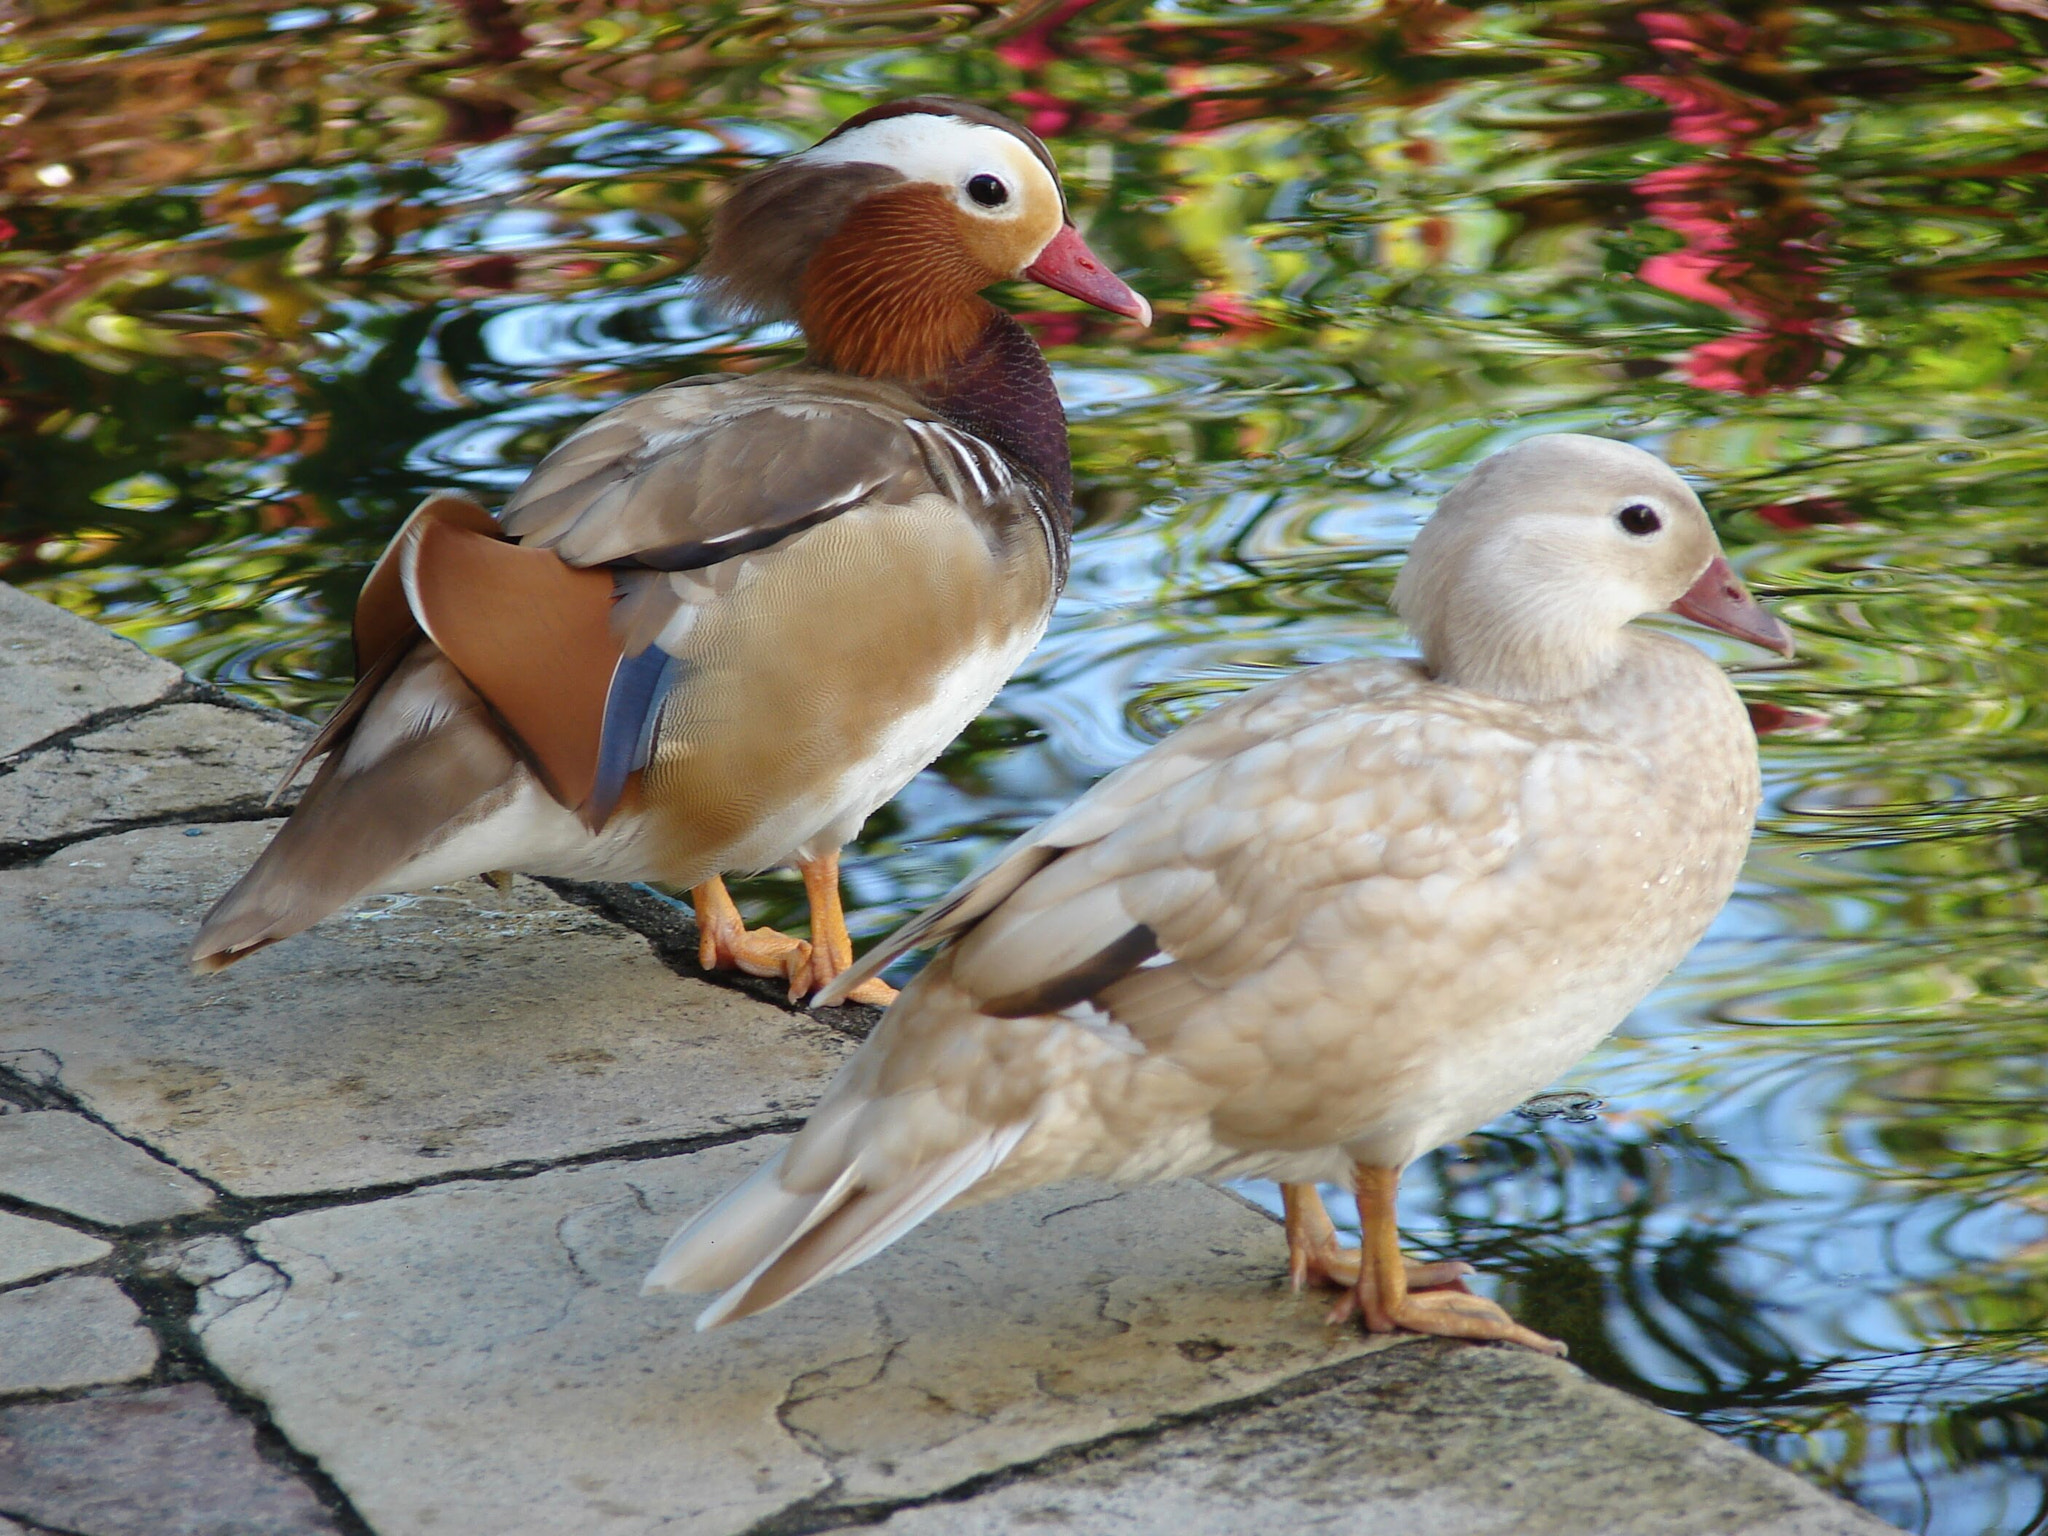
(1225, 730)
(699, 472)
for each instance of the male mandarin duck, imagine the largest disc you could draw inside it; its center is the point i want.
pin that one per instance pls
(724, 622)
(1334, 923)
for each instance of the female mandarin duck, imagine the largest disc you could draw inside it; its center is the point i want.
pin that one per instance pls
(725, 621)
(1331, 925)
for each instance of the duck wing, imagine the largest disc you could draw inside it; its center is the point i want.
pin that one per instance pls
(1224, 733)
(700, 471)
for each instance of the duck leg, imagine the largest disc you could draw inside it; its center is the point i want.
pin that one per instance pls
(1314, 1256)
(1381, 1295)
(831, 944)
(725, 942)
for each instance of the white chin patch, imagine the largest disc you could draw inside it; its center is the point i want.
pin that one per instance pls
(946, 151)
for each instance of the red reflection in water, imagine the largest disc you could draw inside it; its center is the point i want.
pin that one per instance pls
(1754, 246)
(1808, 512)
(1768, 719)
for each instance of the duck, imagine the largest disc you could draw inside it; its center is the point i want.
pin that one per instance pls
(725, 621)
(1336, 922)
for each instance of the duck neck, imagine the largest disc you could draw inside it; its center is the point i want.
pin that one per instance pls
(995, 384)
(893, 295)
(1509, 666)
(1002, 391)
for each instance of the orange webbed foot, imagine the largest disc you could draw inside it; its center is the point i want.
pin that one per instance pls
(831, 945)
(1315, 1256)
(1448, 1314)
(1383, 1296)
(877, 992)
(725, 942)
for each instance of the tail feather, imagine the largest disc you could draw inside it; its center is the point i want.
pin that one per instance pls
(340, 725)
(357, 825)
(741, 1230)
(796, 1240)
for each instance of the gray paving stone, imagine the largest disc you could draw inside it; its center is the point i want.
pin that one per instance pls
(1434, 1440)
(30, 1248)
(476, 1358)
(450, 1029)
(167, 1461)
(79, 1331)
(66, 1163)
(197, 1260)
(172, 761)
(58, 670)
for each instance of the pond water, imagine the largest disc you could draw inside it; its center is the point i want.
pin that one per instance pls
(274, 272)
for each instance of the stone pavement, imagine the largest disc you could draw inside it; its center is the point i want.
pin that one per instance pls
(348, 1238)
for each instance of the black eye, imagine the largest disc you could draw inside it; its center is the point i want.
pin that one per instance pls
(1638, 519)
(988, 190)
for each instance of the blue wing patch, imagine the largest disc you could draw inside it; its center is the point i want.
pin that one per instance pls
(641, 684)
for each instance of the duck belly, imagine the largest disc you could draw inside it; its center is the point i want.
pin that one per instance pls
(906, 744)
(1494, 1067)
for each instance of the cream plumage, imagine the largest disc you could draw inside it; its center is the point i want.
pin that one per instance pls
(1327, 927)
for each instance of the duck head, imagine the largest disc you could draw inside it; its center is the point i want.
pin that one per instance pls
(1522, 582)
(879, 239)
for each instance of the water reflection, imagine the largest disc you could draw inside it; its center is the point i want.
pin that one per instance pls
(270, 275)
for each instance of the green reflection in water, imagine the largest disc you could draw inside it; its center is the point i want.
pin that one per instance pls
(275, 274)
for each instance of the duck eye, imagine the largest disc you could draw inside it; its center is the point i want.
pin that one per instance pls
(1639, 520)
(988, 190)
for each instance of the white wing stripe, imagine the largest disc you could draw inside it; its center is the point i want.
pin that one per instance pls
(963, 459)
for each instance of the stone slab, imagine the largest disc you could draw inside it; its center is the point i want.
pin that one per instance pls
(30, 1248)
(451, 1029)
(174, 761)
(79, 1331)
(57, 671)
(64, 1162)
(167, 1461)
(1435, 1440)
(475, 1359)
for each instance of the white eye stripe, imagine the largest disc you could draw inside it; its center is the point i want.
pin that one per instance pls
(946, 151)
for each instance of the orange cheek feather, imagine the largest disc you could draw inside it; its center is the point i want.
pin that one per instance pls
(893, 293)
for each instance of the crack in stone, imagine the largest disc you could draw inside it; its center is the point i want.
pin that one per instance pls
(29, 1078)
(17, 855)
(819, 1513)
(1078, 1205)
(39, 1527)
(13, 1205)
(170, 1304)
(183, 692)
(246, 1210)
(828, 1461)
(49, 1085)
(217, 1300)
(233, 1211)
